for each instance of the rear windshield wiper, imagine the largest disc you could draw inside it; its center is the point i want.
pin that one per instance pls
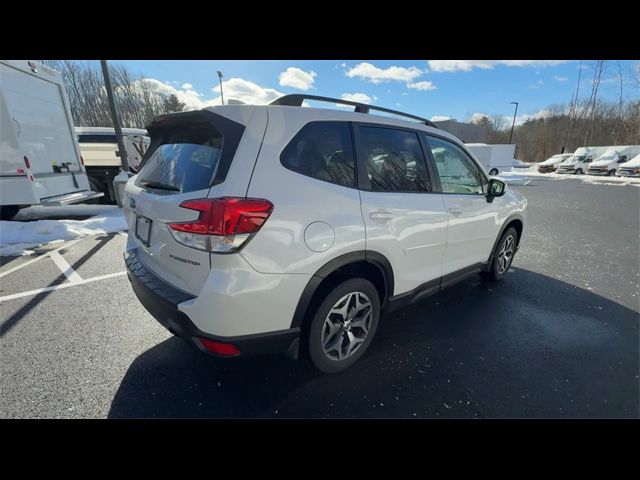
(159, 186)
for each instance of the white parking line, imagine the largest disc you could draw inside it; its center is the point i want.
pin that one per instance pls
(59, 287)
(65, 268)
(26, 264)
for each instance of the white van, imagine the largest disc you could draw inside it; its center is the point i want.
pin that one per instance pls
(551, 163)
(99, 149)
(630, 168)
(579, 162)
(609, 163)
(40, 160)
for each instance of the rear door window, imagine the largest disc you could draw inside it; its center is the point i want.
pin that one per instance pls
(322, 150)
(185, 161)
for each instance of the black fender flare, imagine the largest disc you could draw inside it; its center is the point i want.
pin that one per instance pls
(505, 224)
(376, 259)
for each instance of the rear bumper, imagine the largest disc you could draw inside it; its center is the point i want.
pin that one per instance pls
(161, 300)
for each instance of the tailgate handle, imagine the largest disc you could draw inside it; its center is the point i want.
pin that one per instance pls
(381, 215)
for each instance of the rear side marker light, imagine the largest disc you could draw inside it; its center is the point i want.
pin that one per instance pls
(220, 348)
(224, 224)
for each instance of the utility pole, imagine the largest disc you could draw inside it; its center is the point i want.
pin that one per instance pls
(221, 94)
(514, 120)
(121, 179)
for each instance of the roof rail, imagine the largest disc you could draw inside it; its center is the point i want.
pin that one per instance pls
(296, 99)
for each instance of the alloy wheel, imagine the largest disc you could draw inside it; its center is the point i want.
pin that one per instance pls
(505, 255)
(347, 325)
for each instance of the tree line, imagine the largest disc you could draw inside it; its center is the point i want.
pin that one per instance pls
(584, 121)
(137, 101)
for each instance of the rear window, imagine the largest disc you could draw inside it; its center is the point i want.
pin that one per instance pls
(184, 161)
(97, 139)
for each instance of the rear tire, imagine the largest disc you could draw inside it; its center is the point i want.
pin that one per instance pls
(343, 326)
(493, 172)
(503, 256)
(7, 212)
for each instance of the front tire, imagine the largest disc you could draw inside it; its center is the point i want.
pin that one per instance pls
(493, 172)
(343, 326)
(612, 173)
(503, 256)
(579, 171)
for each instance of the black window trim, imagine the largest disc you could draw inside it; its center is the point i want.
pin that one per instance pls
(465, 151)
(353, 151)
(363, 181)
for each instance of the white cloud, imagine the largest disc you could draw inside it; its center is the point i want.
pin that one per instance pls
(422, 86)
(398, 104)
(468, 65)
(405, 93)
(440, 118)
(558, 78)
(192, 99)
(296, 78)
(476, 117)
(373, 74)
(343, 65)
(247, 91)
(537, 85)
(357, 97)
(234, 89)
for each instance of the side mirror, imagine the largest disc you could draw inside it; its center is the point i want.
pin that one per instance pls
(496, 188)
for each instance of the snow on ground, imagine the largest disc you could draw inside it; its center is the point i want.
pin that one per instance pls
(19, 237)
(531, 173)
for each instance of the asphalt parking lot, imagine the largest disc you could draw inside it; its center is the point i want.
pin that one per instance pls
(557, 338)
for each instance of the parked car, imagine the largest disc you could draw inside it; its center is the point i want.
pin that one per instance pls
(99, 149)
(630, 168)
(257, 229)
(40, 161)
(608, 163)
(551, 163)
(579, 162)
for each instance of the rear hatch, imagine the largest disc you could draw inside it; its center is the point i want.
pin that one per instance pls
(189, 152)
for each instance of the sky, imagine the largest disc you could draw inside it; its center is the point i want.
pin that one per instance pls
(435, 89)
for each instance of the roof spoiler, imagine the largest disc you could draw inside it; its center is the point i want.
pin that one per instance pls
(296, 99)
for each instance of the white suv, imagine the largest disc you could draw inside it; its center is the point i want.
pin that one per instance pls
(257, 229)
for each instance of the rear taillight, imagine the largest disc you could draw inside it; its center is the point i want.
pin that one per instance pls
(224, 224)
(27, 162)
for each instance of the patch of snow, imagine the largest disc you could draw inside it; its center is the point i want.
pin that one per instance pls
(18, 238)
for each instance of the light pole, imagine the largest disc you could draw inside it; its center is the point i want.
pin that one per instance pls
(221, 94)
(121, 179)
(514, 120)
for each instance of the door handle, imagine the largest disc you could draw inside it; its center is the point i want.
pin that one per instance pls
(455, 211)
(381, 215)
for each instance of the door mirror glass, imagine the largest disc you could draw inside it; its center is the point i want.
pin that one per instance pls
(496, 188)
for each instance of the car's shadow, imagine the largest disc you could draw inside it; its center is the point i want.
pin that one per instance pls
(528, 346)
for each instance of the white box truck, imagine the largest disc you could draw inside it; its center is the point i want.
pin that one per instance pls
(609, 163)
(495, 158)
(630, 168)
(40, 160)
(99, 150)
